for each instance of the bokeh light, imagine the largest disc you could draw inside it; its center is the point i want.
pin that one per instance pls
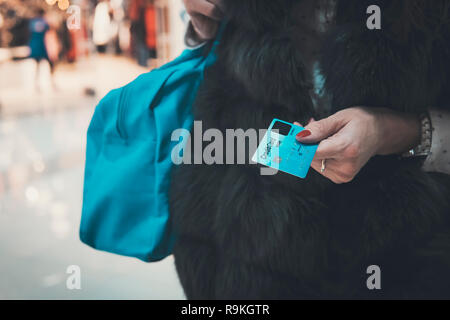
(51, 2)
(63, 4)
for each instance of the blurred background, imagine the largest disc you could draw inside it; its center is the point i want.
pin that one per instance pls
(58, 58)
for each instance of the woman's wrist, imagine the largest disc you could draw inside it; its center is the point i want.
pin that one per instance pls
(398, 132)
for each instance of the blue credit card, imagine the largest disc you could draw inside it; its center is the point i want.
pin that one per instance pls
(280, 150)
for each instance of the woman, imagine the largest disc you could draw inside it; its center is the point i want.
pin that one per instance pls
(39, 43)
(243, 235)
(102, 26)
(351, 137)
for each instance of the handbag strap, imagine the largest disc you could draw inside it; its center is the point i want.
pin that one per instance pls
(212, 53)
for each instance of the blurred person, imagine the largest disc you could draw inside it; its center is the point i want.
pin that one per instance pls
(125, 37)
(43, 44)
(102, 26)
(118, 15)
(150, 27)
(52, 44)
(16, 27)
(1, 29)
(143, 30)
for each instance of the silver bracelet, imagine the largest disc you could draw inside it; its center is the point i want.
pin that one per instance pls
(424, 148)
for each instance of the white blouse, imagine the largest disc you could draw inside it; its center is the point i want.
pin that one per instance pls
(439, 158)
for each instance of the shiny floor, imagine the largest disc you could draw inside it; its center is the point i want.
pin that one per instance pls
(42, 142)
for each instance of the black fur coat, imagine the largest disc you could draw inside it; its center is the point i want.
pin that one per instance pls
(247, 236)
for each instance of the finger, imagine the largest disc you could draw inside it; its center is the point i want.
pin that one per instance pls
(330, 171)
(300, 125)
(205, 27)
(317, 165)
(317, 131)
(327, 173)
(218, 3)
(206, 9)
(331, 165)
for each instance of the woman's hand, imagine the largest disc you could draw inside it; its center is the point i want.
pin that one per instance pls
(205, 16)
(350, 138)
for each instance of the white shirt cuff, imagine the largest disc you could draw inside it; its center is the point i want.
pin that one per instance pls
(439, 158)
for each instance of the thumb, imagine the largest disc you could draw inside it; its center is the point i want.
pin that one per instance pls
(206, 28)
(317, 131)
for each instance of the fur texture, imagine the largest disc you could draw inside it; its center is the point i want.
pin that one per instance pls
(247, 236)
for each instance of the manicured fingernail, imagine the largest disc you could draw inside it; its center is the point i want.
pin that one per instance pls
(303, 134)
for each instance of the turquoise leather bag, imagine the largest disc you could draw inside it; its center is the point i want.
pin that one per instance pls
(128, 159)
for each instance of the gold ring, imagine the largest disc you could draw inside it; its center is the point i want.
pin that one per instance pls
(324, 166)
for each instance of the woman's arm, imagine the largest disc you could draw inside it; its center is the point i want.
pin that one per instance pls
(350, 138)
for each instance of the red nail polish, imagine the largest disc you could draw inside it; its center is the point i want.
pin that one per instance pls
(303, 134)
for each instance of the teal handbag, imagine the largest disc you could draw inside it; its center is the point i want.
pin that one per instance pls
(128, 159)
